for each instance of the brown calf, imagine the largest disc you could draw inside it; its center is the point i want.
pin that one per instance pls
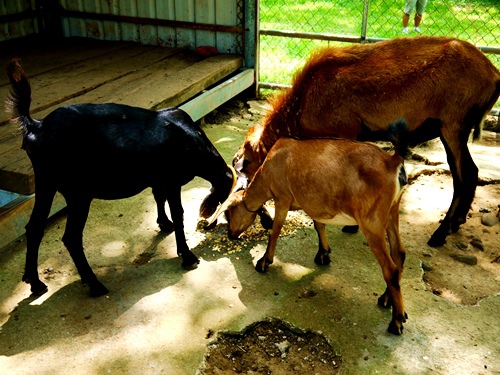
(335, 182)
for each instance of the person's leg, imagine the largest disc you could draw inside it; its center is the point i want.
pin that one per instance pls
(406, 19)
(420, 9)
(409, 7)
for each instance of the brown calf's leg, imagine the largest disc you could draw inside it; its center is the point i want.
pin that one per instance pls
(268, 258)
(392, 275)
(398, 253)
(322, 257)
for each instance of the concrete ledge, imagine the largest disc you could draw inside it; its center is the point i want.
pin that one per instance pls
(15, 215)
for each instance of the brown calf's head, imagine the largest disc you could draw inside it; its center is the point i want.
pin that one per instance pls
(239, 218)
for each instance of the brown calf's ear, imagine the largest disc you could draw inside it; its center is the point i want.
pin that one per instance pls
(233, 199)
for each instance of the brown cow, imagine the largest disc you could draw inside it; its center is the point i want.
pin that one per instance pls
(443, 87)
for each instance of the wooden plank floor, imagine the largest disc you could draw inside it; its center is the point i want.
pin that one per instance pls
(94, 71)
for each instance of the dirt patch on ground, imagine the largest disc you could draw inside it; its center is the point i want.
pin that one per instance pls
(270, 347)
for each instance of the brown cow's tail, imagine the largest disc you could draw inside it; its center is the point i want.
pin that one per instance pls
(19, 101)
(397, 134)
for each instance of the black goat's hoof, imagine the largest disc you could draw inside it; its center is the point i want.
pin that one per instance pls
(98, 291)
(351, 229)
(191, 266)
(38, 288)
(189, 260)
(167, 227)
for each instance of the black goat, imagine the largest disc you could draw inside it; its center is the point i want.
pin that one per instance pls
(111, 151)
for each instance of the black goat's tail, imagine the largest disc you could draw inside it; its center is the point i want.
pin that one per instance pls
(19, 101)
(397, 134)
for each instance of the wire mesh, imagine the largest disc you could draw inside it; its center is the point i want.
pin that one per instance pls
(477, 21)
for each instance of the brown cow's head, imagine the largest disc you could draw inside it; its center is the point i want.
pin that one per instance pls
(251, 153)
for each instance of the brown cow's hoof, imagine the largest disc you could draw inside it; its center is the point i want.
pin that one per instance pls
(436, 240)
(385, 300)
(351, 229)
(395, 327)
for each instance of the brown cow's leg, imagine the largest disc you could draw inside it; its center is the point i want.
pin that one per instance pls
(268, 258)
(322, 257)
(465, 178)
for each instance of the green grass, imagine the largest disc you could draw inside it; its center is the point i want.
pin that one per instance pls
(477, 21)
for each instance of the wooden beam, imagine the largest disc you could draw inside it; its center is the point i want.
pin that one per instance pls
(213, 98)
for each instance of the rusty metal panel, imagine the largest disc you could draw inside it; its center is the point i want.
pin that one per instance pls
(145, 21)
(18, 19)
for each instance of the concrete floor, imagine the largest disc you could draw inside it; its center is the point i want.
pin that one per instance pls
(156, 317)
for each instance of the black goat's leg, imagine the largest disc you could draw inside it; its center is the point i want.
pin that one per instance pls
(164, 223)
(323, 256)
(189, 260)
(78, 210)
(34, 234)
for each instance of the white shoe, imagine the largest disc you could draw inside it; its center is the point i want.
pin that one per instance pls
(405, 30)
(417, 30)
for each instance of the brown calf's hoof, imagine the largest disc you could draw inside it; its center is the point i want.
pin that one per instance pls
(322, 258)
(262, 265)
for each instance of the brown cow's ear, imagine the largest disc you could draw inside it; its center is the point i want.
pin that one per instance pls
(230, 201)
(238, 165)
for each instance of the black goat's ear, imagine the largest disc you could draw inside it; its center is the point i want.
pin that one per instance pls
(209, 205)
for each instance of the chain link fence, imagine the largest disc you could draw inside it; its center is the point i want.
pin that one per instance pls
(290, 29)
